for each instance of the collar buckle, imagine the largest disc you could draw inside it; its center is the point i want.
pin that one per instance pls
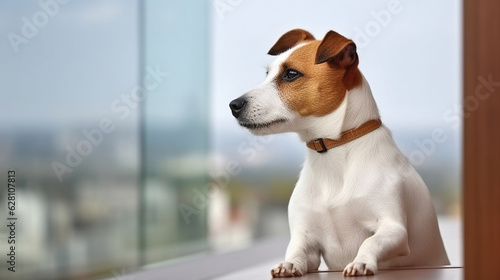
(322, 145)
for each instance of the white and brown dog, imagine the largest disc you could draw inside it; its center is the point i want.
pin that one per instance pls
(358, 202)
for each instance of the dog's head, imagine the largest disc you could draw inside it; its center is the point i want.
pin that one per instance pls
(308, 78)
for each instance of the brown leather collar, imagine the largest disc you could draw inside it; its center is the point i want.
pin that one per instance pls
(322, 145)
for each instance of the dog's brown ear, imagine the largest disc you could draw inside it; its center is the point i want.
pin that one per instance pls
(336, 49)
(290, 39)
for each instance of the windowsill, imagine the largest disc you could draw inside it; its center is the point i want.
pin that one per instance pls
(427, 273)
(255, 262)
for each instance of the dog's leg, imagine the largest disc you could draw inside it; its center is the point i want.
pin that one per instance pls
(301, 256)
(390, 240)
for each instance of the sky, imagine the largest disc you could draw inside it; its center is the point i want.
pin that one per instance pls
(410, 51)
(70, 70)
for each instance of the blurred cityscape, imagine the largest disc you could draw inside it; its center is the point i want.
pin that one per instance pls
(89, 223)
(85, 224)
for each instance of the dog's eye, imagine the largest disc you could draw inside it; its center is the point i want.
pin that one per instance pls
(291, 75)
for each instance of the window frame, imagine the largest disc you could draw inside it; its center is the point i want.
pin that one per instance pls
(480, 141)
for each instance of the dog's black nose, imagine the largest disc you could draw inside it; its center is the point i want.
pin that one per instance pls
(237, 106)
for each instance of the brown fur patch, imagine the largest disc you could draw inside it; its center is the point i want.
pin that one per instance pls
(290, 39)
(322, 87)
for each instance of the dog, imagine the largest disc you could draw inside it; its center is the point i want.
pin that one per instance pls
(358, 202)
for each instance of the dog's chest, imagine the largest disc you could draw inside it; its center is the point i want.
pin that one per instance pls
(337, 216)
(342, 219)
(337, 230)
(334, 215)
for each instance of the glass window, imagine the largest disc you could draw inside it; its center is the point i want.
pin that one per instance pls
(175, 131)
(70, 130)
(115, 119)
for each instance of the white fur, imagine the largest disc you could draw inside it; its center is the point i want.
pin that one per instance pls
(361, 205)
(265, 104)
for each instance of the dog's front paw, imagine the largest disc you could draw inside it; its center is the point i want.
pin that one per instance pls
(360, 269)
(287, 269)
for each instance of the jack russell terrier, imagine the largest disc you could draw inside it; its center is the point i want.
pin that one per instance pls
(358, 202)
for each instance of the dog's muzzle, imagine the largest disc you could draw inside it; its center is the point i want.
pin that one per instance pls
(237, 106)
